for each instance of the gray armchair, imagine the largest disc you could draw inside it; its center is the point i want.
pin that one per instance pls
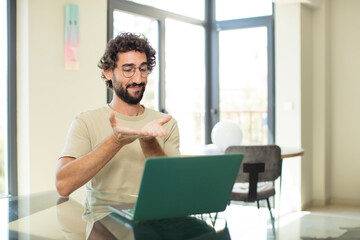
(261, 166)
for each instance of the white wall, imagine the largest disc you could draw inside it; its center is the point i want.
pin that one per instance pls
(48, 95)
(322, 105)
(317, 70)
(288, 98)
(307, 101)
(345, 100)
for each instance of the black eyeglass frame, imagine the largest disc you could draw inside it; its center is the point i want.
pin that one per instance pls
(128, 73)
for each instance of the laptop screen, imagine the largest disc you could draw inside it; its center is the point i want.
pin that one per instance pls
(180, 186)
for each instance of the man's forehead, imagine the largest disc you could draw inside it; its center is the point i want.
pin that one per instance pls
(132, 54)
(131, 57)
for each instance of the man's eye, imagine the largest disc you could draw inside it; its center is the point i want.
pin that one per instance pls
(143, 69)
(127, 69)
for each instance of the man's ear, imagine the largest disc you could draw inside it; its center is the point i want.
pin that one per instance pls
(108, 74)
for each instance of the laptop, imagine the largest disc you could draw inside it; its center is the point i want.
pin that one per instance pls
(173, 187)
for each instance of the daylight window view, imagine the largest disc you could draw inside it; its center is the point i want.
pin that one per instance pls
(243, 67)
(196, 10)
(3, 97)
(185, 80)
(243, 81)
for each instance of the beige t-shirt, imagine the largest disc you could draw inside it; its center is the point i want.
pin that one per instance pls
(122, 174)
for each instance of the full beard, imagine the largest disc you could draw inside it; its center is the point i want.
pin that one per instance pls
(124, 95)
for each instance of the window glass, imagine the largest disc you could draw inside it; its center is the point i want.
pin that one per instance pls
(243, 67)
(185, 80)
(3, 97)
(243, 81)
(189, 8)
(127, 22)
(235, 9)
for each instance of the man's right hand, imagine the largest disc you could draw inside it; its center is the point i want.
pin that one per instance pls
(124, 135)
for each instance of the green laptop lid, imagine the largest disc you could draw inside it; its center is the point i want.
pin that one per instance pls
(180, 186)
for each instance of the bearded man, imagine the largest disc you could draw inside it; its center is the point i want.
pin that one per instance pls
(106, 148)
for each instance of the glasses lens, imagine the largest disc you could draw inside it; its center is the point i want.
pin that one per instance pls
(128, 71)
(144, 71)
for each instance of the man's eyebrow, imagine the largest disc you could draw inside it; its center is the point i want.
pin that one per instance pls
(133, 65)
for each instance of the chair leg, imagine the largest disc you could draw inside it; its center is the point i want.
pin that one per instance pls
(271, 216)
(258, 204)
(268, 203)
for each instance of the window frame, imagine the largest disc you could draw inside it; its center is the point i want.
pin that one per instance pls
(11, 101)
(268, 22)
(160, 16)
(212, 29)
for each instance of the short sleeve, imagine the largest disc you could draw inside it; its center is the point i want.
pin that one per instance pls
(172, 143)
(77, 141)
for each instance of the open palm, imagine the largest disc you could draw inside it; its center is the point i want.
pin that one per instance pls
(125, 135)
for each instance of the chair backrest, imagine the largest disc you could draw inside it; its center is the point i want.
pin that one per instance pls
(270, 155)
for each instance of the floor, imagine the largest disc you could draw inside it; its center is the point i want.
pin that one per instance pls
(332, 222)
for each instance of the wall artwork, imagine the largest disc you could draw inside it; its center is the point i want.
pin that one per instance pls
(71, 36)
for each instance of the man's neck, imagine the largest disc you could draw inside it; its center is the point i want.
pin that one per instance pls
(124, 108)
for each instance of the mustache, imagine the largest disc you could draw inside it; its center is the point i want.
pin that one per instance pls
(135, 85)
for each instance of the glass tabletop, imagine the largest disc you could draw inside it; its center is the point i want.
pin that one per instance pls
(199, 227)
(48, 216)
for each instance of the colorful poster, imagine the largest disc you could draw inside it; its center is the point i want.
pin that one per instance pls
(71, 36)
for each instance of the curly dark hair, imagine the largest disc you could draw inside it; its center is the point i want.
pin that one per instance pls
(126, 42)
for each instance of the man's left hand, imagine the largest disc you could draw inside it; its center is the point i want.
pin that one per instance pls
(155, 128)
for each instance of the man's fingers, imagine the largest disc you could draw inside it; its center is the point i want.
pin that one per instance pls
(154, 131)
(165, 119)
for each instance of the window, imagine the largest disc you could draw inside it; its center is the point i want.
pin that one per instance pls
(243, 81)
(8, 149)
(212, 66)
(185, 80)
(189, 8)
(178, 76)
(236, 9)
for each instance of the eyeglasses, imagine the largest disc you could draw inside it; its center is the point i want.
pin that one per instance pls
(129, 71)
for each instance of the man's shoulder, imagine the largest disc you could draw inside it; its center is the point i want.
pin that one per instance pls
(157, 115)
(94, 113)
(154, 113)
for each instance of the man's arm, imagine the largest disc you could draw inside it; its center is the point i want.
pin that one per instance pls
(72, 173)
(151, 148)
